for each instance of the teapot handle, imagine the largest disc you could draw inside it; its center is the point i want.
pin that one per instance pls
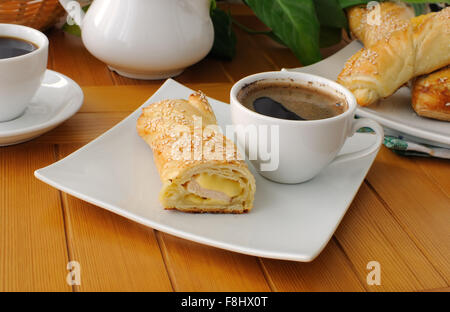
(73, 9)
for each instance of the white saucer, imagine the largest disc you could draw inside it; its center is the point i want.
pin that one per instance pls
(58, 99)
(116, 171)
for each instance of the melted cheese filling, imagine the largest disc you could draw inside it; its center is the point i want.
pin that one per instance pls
(217, 183)
(200, 200)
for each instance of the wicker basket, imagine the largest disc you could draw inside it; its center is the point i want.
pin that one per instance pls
(39, 14)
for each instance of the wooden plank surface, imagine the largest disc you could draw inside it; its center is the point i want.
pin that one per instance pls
(33, 253)
(399, 218)
(115, 254)
(369, 233)
(417, 203)
(437, 171)
(195, 267)
(331, 271)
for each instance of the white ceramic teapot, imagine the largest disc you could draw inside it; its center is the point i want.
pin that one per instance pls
(145, 39)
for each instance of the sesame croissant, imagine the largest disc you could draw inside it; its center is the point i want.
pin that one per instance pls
(200, 169)
(414, 47)
(393, 16)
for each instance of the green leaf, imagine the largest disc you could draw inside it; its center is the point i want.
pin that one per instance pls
(349, 3)
(250, 31)
(330, 36)
(212, 6)
(330, 13)
(293, 21)
(419, 8)
(275, 38)
(72, 29)
(224, 37)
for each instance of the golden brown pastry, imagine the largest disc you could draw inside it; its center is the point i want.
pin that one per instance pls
(432, 41)
(431, 95)
(420, 47)
(199, 167)
(430, 92)
(394, 16)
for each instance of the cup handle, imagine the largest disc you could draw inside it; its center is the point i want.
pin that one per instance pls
(358, 124)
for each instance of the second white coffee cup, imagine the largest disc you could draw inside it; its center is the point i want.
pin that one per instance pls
(304, 147)
(21, 76)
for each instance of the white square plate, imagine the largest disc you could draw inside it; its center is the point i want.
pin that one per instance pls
(294, 222)
(395, 112)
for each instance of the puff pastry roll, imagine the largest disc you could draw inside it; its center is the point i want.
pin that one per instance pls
(393, 16)
(431, 95)
(419, 47)
(200, 169)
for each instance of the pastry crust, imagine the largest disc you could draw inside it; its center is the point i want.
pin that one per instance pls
(187, 144)
(377, 72)
(393, 17)
(431, 95)
(431, 41)
(419, 46)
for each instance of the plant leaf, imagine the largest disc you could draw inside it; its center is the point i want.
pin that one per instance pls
(293, 21)
(224, 37)
(419, 8)
(330, 13)
(349, 3)
(275, 38)
(72, 29)
(212, 5)
(330, 36)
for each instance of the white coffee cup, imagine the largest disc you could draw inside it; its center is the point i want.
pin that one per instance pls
(21, 76)
(305, 147)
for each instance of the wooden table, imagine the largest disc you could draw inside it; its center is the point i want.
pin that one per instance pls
(400, 216)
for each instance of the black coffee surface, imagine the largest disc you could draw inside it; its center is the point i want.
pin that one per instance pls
(285, 99)
(11, 47)
(269, 107)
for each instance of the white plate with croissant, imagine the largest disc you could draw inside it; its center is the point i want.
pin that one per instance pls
(401, 75)
(119, 172)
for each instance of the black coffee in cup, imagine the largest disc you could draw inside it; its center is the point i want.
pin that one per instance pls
(285, 99)
(12, 47)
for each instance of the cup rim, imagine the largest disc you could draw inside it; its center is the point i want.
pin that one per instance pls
(304, 77)
(36, 34)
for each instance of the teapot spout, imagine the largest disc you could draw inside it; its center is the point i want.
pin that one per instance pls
(74, 11)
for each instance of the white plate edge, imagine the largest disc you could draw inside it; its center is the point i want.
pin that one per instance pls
(419, 133)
